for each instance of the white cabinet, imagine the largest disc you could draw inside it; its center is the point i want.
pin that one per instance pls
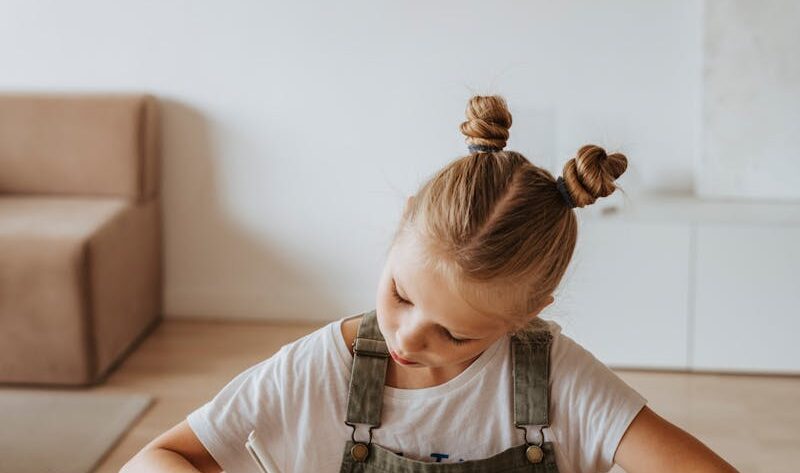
(747, 302)
(624, 297)
(677, 283)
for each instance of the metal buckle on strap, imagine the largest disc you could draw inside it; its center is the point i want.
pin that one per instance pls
(353, 434)
(541, 435)
(360, 450)
(534, 452)
(370, 347)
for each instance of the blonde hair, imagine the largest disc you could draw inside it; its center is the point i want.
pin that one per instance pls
(495, 225)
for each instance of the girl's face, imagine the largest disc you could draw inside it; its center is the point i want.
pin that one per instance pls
(422, 320)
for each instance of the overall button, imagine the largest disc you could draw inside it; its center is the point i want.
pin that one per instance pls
(359, 452)
(534, 454)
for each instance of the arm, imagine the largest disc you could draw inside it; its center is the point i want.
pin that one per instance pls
(176, 450)
(653, 445)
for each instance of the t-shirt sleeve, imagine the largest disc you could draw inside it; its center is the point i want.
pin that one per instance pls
(250, 400)
(593, 405)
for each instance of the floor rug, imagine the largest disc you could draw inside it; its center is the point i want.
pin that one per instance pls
(55, 431)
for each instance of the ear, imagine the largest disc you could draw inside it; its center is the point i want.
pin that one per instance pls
(409, 201)
(533, 313)
(546, 303)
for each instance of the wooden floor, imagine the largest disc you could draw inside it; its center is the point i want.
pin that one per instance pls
(751, 421)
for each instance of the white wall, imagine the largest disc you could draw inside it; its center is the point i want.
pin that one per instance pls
(294, 130)
(751, 106)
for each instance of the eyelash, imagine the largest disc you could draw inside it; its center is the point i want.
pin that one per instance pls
(452, 339)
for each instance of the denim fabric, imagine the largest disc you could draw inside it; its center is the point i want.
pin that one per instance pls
(512, 460)
(531, 405)
(531, 374)
(365, 398)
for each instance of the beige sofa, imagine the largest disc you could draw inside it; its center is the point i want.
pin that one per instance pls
(80, 233)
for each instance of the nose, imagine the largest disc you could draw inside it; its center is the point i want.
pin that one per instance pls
(411, 335)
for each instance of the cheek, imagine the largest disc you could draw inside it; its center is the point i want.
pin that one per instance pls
(389, 311)
(385, 299)
(386, 317)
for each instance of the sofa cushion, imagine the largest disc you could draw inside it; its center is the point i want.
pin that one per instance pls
(36, 217)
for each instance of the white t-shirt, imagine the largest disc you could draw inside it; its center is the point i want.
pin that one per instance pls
(296, 402)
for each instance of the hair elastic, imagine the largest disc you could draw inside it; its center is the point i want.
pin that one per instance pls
(564, 192)
(483, 148)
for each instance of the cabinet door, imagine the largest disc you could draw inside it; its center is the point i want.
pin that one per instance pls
(747, 315)
(625, 296)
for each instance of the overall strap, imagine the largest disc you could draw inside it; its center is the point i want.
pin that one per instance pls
(531, 371)
(370, 360)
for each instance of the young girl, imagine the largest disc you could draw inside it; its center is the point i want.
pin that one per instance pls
(453, 371)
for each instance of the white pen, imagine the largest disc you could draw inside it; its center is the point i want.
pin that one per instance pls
(260, 456)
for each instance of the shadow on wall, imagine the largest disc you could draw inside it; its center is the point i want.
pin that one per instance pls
(216, 268)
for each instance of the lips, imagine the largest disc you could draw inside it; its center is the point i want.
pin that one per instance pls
(400, 360)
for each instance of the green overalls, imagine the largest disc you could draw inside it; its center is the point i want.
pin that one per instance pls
(531, 369)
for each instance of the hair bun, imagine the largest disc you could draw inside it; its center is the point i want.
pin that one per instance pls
(488, 121)
(591, 174)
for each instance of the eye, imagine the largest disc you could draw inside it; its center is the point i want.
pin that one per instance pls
(445, 333)
(454, 340)
(397, 296)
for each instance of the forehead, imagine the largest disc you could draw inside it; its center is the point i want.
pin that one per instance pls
(414, 273)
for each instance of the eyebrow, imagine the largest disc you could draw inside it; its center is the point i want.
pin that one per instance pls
(455, 334)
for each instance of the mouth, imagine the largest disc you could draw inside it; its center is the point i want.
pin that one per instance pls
(400, 360)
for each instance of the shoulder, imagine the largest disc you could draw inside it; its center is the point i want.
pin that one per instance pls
(326, 351)
(316, 357)
(577, 370)
(591, 406)
(323, 343)
(349, 330)
(298, 358)
(567, 355)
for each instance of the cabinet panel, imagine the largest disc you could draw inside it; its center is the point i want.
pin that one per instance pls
(625, 296)
(747, 311)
